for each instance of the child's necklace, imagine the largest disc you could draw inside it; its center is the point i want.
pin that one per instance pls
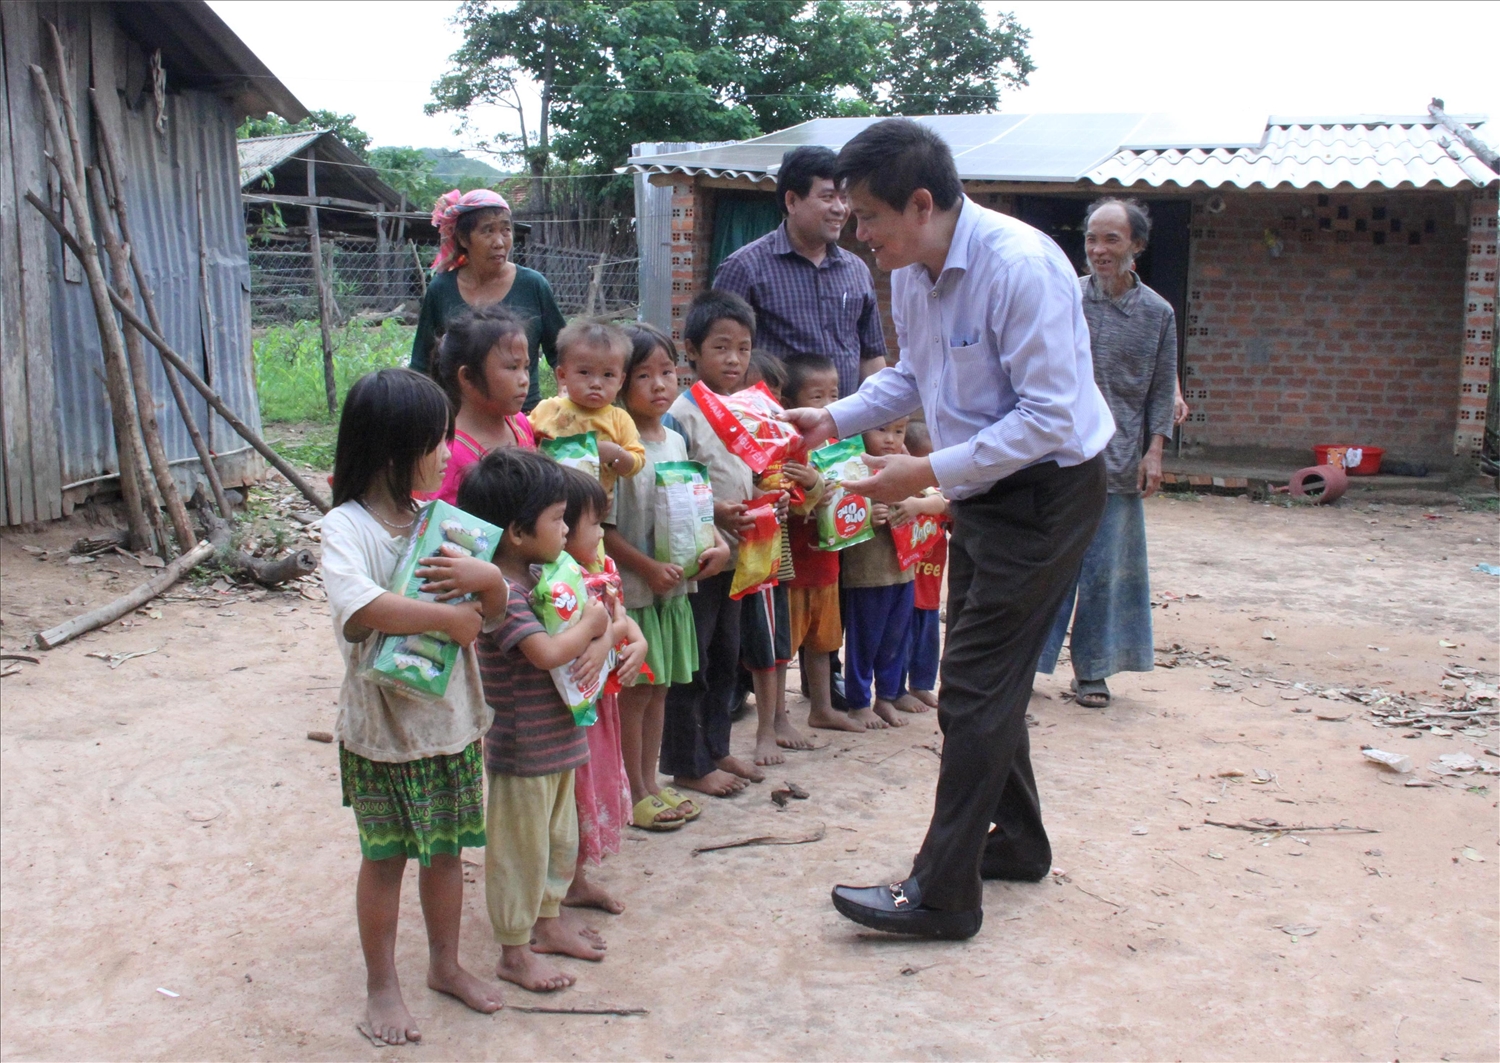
(388, 524)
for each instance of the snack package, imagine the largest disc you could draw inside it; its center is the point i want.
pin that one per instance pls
(915, 539)
(748, 425)
(580, 452)
(684, 514)
(760, 549)
(843, 518)
(558, 600)
(605, 587)
(421, 665)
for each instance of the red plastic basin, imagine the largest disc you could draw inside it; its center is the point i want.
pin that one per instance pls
(1356, 461)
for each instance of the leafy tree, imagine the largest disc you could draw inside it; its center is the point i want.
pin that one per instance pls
(944, 58)
(342, 124)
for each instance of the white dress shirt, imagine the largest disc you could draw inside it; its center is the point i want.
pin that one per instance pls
(996, 353)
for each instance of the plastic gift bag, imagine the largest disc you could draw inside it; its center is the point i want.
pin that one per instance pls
(843, 518)
(580, 452)
(684, 514)
(915, 539)
(558, 600)
(747, 423)
(423, 664)
(760, 549)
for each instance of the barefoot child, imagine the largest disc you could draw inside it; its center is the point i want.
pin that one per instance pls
(925, 647)
(656, 595)
(877, 607)
(695, 740)
(533, 747)
(590, 372)
(411, 767)
(484, 367)
(813, 597)
(600, 787)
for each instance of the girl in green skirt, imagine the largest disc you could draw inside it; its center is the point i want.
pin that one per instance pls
(413, 769)
(655, 592)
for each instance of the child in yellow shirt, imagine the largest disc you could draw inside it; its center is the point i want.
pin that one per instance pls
(590, 372)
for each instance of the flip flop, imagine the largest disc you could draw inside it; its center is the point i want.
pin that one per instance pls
(675, 799)
(647, 815)
(1091, 693)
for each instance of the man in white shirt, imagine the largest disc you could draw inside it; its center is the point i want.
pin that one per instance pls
(995, 352)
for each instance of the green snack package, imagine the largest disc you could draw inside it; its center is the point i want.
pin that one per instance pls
(421, 665)
(684, 514)
(843, 518)
(558, 600)
(580, 452)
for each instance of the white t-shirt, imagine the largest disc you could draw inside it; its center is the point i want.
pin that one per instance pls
(634, 516)
(375, 721)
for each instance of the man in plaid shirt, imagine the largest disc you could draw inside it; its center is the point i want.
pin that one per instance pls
(810, 295)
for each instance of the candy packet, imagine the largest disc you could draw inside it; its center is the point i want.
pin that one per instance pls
(915, 539)
(760, 549)
(422, 665)
(843, 518)
(558, 600)
(684, 514)
(580, 452)
(747, 423)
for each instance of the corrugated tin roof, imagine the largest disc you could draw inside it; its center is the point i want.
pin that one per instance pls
(260, 155)
(343, 172)
(1362, 150)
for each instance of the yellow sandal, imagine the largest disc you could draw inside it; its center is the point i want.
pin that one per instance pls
(676, 799)
(647, 815)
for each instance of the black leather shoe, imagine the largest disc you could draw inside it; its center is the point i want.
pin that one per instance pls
(1004, 871)
(898, 909)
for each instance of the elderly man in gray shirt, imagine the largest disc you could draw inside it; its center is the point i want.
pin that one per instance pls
(1133, 335)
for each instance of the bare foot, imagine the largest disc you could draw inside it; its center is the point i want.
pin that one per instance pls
(576, 922)
(589, 894)
(475, 992)
(526, 969)
(736, 766)
(386, 1019)
(556, 936)
(766, 750)
(833, 720)
(866, 717)
(887, 712)
(788, 737)
(910, 703)
(926, 697)
(714, 784)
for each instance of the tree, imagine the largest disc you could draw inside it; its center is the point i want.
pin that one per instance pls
(342, 124)
(944, 58)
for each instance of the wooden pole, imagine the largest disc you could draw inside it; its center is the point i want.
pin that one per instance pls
(161, 467)
(54, 637)
(121, 401)
(383, 257)
(421, 273)
(176, 361)
(115, 183)
(315, 251)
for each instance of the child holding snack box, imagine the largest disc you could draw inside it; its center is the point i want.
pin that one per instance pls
(411, 766)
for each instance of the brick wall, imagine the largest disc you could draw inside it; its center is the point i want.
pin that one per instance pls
(1324, 318)
(1478, 325)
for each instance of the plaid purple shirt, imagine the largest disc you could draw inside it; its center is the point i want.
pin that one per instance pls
(801, 308)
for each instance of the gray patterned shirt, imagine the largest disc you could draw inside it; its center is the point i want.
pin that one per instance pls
(801, 308)
(1134, 340)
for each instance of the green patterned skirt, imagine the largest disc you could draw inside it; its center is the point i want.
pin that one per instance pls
(671, 642)
(418, 808)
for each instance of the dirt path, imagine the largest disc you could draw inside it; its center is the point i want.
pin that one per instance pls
(167, 824)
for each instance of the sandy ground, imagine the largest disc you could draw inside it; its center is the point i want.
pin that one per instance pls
(167, 824)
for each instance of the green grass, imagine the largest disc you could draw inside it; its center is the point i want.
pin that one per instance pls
(289, 365)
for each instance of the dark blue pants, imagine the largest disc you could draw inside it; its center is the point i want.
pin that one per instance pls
(924, 650)
(876, 623)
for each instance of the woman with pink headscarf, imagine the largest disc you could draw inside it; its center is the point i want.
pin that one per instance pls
(473, 268)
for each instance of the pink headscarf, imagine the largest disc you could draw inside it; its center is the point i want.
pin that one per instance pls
(445, 215)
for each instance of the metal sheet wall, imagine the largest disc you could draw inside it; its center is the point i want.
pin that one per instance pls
(653, 234)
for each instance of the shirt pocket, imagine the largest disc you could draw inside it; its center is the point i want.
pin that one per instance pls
(973, 373)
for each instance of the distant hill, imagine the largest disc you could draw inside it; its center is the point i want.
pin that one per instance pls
(451, 165)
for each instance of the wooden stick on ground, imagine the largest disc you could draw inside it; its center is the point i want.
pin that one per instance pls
(161, 468)
(765, 839)
(115, 182)
(1284, 828)
(54, 637)
(529, 1009)
(121, 400)
(176, 361)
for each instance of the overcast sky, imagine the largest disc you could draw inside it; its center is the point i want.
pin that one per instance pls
(378, 59)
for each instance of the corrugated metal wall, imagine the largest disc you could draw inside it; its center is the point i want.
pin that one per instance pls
(163, 171)
(653, 234)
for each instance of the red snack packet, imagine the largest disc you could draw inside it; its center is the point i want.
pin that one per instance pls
(915, 539)
(747, 424)
(605, 587)
(760, 549)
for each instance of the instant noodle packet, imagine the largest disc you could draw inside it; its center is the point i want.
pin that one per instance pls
(684, 514)
(843, 518)
(421, 665)
(760, 548)
(748, 424)
(579, 452)
(558, 600)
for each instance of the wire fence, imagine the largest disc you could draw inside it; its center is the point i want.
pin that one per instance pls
(363, 279)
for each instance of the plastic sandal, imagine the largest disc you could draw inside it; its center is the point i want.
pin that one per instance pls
(676, 799)
(647, 815)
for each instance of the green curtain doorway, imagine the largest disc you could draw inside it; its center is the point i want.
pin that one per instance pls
(739, 218)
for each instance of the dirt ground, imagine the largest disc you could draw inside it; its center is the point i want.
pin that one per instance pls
(168, 826)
